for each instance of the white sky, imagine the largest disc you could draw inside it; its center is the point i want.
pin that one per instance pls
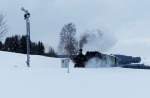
(129, 20)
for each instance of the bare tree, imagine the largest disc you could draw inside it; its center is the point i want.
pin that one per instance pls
(3, 26)
(68, 44)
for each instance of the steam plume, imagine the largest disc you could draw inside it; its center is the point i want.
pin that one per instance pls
(97, 40)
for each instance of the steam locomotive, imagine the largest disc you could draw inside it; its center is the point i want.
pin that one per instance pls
(104, 60)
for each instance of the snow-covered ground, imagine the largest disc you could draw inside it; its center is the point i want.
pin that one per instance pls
(11, 60)
(45, 79)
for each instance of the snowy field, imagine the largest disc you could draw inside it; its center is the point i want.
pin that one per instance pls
(45, 79)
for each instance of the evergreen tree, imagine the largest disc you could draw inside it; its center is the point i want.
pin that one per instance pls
(34, 49)
(23, 45)
(1, 45)
(16, 43)
(51, 52)
(41, 48)
(19, 44)
(7, 44)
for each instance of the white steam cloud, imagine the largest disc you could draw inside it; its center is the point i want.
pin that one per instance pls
(95, 63)
(97, 40)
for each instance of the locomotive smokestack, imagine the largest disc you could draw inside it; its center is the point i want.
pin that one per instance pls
(80, 52)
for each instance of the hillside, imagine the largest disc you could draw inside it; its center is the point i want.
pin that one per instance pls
(45, 79)
(10, 60)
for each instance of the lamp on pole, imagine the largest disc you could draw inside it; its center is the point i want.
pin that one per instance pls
(26, 17)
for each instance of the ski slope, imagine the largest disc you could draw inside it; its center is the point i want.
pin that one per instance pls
(45, 79)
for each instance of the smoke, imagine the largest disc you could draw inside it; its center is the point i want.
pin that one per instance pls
(83, 40)
(97, 40)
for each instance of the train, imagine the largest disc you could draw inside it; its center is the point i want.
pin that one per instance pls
(102, 60)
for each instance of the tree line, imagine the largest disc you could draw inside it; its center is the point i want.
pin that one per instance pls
(68, 45)
(18, 44)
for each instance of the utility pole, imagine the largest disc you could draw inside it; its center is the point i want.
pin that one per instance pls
(26, 17)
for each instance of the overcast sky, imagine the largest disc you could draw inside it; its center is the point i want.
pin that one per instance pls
(128, 20)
